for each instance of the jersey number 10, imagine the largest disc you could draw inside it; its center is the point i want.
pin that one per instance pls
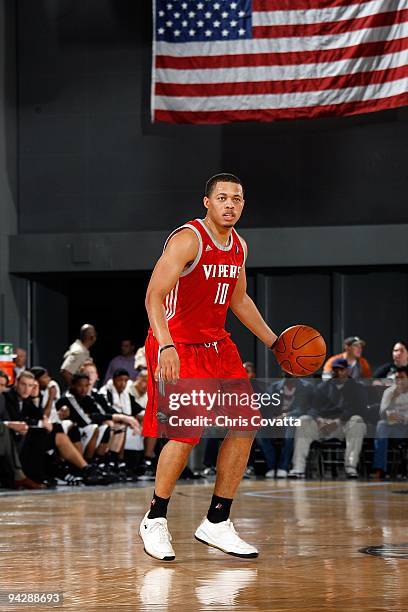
(221, 295)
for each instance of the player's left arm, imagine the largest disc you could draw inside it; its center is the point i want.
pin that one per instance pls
(244, 308)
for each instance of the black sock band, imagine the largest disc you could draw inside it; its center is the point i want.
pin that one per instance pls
(158, 507)
(219, 510)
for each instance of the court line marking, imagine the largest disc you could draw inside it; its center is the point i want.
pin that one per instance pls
(271, 492)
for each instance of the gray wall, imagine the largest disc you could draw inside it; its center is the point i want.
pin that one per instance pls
(90, 160)
(13, 291)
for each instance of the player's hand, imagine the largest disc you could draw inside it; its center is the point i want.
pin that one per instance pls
(168, 366)
(20, 426)
(47, 423)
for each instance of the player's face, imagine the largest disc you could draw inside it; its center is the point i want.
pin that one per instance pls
(225, 204)
(36, 389)
(92, 373)
(80, 388)
(120, 383)
(400, 355)
(401, 379)
(24, 387)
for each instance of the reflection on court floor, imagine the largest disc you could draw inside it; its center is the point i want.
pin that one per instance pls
(310, 535)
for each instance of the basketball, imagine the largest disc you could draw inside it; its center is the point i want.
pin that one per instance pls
(300, 350)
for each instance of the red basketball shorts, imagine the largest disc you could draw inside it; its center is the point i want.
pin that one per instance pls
(211, 361)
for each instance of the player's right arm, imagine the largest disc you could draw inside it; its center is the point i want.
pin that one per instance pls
(180, 251)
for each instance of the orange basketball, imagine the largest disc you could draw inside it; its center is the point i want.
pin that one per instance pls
(300, 350)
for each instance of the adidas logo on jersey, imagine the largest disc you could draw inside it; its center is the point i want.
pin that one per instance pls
(208, 248)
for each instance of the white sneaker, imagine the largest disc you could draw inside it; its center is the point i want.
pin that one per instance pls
(156, 538)
(281, 474)
(296, 474)
(351, 472)
(224, 537)
(270, 473)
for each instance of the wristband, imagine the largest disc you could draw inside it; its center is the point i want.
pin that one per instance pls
(166, 346)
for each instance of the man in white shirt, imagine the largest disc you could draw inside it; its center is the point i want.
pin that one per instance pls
(393, 421)
(78, 352)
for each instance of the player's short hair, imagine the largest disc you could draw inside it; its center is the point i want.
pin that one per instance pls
(223, 177)
(403, 342)
(25, 374)
(87, 363)
(120, 372)
(79, 376)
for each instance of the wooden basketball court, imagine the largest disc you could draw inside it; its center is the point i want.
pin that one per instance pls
(84, 543)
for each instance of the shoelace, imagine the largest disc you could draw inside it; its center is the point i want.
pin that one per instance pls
(229, 526)
(164, 533)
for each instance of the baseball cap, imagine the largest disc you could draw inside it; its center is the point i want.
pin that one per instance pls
(339, 363)
(353, 340)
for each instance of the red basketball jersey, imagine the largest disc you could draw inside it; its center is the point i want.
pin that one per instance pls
(197, 305)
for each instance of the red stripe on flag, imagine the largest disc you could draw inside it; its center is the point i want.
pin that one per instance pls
(281, 59)
(288, 5)
(282, 87)
(348, 108)
(330, 28)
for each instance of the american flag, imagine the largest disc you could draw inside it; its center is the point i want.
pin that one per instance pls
(220, 61)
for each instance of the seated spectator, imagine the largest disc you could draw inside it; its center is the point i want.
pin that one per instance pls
(78, 353)
(139, 387)
(399, 360)
(49, 392)
(93, 418)
(296, 398)
(148, 463)
(250, 369)
(20, 361)
(11, 471)
(358, 367)
(34, 434)
(89, 368)
(393, 421)
(118, 395)
(4, 381)
(140, 358)
(124, 361)
(340, 405)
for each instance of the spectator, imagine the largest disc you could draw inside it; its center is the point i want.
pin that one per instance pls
(339, 406)
(78, 353)
(393, 421)
(49, 392)
(20, 361)
(358, 367)
(296, 398)
(11, 472)
(118, 395)
(399, 360)
(139, 387)
(3, 381)
(89, 368)
(34, 435)
(124, 361)
(139, 390)
(250, 369)
(93, 418)
(140, 358)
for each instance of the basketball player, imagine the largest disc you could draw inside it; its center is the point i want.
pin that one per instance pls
(199, 275)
